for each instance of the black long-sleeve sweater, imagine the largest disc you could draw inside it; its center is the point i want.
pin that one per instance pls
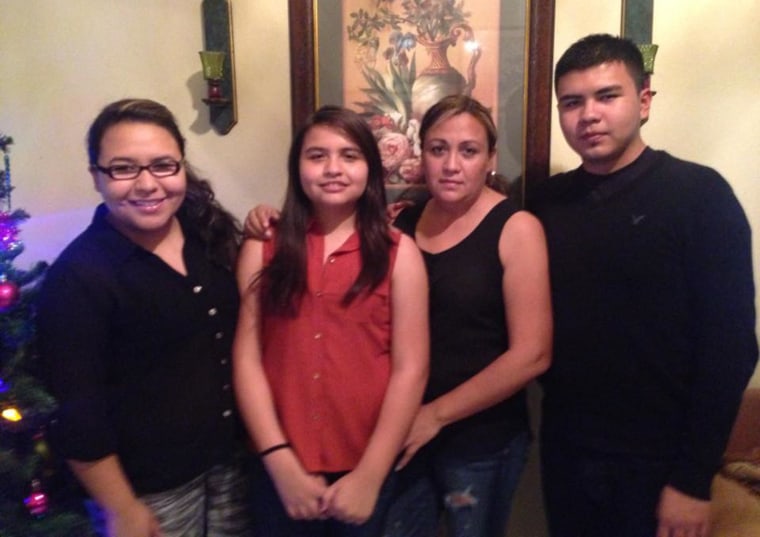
(653, 300)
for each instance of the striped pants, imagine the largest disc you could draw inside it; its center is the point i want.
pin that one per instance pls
(214, 504)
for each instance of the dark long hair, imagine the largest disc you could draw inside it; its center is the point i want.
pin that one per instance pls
(284, 278)
(201, 214)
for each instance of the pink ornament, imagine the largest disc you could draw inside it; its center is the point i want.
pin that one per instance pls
(37, 502)
(9, 294)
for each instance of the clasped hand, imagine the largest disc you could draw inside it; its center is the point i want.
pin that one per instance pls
(681, 515)
(351, 499)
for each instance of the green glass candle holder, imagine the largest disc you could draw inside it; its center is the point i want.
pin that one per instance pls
(648, 52)
(213, 72)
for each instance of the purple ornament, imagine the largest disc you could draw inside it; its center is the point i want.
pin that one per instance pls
(8, 230)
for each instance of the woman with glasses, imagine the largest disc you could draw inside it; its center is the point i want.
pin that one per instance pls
(136, 319)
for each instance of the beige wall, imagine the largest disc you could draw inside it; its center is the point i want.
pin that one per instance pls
(61, 61)
(707, 78)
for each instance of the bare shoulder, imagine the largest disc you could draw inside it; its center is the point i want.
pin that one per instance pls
(522, 232)
(407, 249)
(405, 242)
(522, 224)
(409, 263)
(250, 261)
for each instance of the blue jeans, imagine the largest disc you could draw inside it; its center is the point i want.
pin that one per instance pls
(588, 494)
(271, 520)
(214, 504)
(474, 494)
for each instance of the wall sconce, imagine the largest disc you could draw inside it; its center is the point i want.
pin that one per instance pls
(218, 61)
(213, 72)
(648, 52)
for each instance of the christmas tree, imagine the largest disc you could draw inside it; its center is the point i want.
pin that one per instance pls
(35, 499)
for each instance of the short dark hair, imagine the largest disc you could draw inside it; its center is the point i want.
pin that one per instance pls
(596, 49)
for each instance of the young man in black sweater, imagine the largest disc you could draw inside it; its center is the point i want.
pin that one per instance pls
(653, 297)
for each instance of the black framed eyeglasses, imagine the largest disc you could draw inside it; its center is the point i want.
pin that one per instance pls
(125, 172)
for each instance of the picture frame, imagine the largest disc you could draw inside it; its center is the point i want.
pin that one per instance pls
(308, 59)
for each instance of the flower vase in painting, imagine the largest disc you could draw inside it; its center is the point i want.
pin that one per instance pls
(395, 95)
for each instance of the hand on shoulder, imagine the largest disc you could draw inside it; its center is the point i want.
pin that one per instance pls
(260, 221)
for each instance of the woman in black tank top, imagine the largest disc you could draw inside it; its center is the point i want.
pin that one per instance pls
(491, 329)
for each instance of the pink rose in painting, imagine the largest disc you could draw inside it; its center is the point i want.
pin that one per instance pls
(411, 170)
(394, 149)
(378, 122)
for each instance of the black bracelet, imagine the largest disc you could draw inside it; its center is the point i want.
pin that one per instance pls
(274, 448)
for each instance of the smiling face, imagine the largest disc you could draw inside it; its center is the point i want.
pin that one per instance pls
(600, 112)
(332, 168)
(142, 208)
(456, 158)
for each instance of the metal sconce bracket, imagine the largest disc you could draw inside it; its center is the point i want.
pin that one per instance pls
(217, 36)
(636, 24)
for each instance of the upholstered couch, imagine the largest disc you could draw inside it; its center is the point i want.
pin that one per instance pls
(736, 490)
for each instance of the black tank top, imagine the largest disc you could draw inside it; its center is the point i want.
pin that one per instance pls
(468, 327)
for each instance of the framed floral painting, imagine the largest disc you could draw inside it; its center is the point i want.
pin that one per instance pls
(390, 60)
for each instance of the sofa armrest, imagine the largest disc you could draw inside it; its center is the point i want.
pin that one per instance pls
(744, 441)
